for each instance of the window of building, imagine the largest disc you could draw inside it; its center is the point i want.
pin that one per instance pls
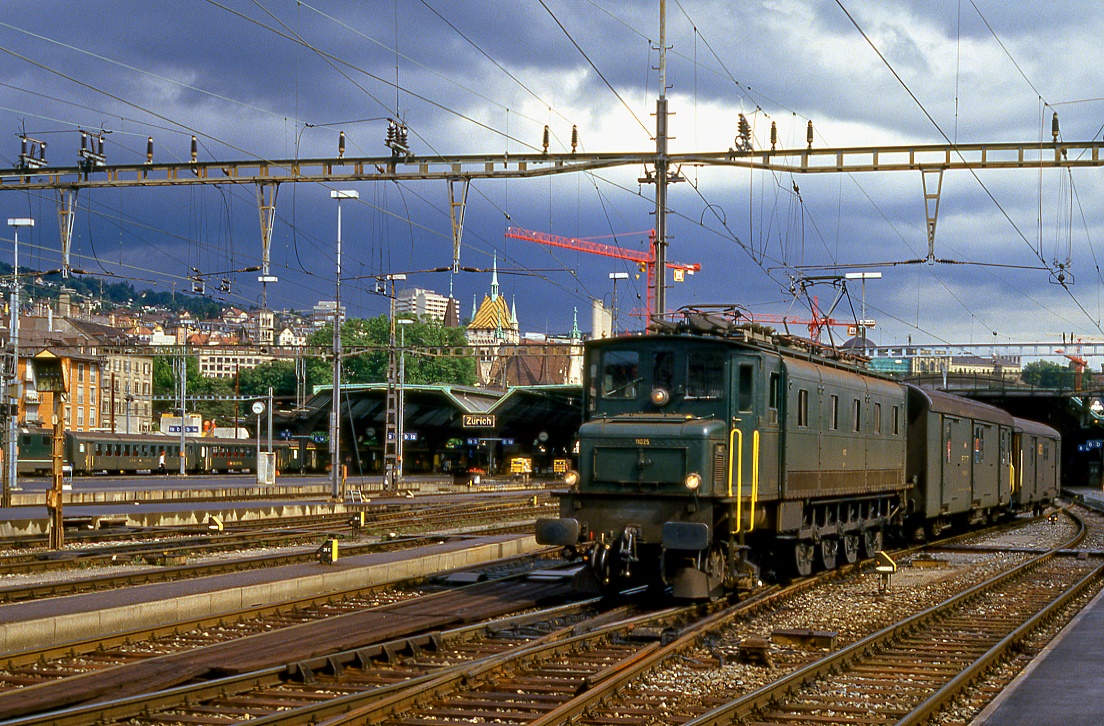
(80, 372)
(80, 417)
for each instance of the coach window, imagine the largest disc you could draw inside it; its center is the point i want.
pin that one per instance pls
(877, 419)
(705, 374)
(620, 373)
(947, 431)
(746, 394)
(856, 415)
(833, 423)
(775, 383)
(802, 407)
(979, 444)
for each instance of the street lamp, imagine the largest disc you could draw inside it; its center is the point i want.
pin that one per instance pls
(335, 413)
(11, 475)
(863, 322)
(615, 276)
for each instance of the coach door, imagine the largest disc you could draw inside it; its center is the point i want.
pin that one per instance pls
(957, 458)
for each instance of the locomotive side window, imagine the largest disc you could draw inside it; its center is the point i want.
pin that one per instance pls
(620, 373)
(663, 370)
(705, 374)
(833, 423)
(775, 389)
(856, 415)
(896, 421)
(802, 407)
(877, 419)
(745, 400)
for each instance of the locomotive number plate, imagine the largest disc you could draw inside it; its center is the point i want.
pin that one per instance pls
(643, 442)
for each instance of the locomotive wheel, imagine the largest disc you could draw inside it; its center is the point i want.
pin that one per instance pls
(850, 549)
(872, 541)
(716, 566)
(600, 564)
(803, 558)
(828, 551)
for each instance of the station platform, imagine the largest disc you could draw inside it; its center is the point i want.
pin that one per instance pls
(160, 501)
(1062, 685)
(92, 615)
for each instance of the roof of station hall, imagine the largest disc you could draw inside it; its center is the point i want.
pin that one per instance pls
(441, 405)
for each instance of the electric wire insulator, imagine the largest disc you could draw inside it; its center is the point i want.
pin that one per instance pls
(546, 139)
(574, 138)
(149, 150)
(809, 135)
(195, 149)
(341, 145)
(774, 135)
(1054, 126)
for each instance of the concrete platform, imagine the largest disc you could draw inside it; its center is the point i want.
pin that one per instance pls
(80, 617)
(1063, 685)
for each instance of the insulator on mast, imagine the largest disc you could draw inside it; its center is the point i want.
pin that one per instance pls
(195, 149)
(809, 135)
(774, 135)
(1054, 126)
(341, 145)
(574, 137)
(743, 134)
(149, 150)
(546, 137)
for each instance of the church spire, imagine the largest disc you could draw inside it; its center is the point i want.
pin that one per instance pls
(513, 311)
(494, 280)
(575, 334)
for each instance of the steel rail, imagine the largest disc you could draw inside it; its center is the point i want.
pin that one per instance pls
(762, 698)
(115, 710)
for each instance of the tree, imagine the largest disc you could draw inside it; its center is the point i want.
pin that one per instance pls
(372, 367)
(1045, 374)
(165, 384)
(279, 374)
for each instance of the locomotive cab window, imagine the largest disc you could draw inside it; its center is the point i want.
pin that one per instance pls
(663, 370)
(745, 400)
(620, 373)
(705, 374)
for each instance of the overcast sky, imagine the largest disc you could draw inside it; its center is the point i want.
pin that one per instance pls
(277, 79)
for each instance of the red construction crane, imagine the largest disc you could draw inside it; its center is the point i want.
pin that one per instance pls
(1077, 362)
(647, 259)
(815, 325)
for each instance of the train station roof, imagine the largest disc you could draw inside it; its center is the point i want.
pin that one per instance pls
(525, 410)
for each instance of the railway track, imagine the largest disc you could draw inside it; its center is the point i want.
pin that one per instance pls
(557, 674)
(168, 551)
(153, 659)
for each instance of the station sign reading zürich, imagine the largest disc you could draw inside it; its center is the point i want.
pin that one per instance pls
(478, 420)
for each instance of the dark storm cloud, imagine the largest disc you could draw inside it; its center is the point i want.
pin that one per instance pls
(276, 79)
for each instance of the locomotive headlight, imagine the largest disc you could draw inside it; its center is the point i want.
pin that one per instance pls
(660, 396)
(571, 478)
(693, 481)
